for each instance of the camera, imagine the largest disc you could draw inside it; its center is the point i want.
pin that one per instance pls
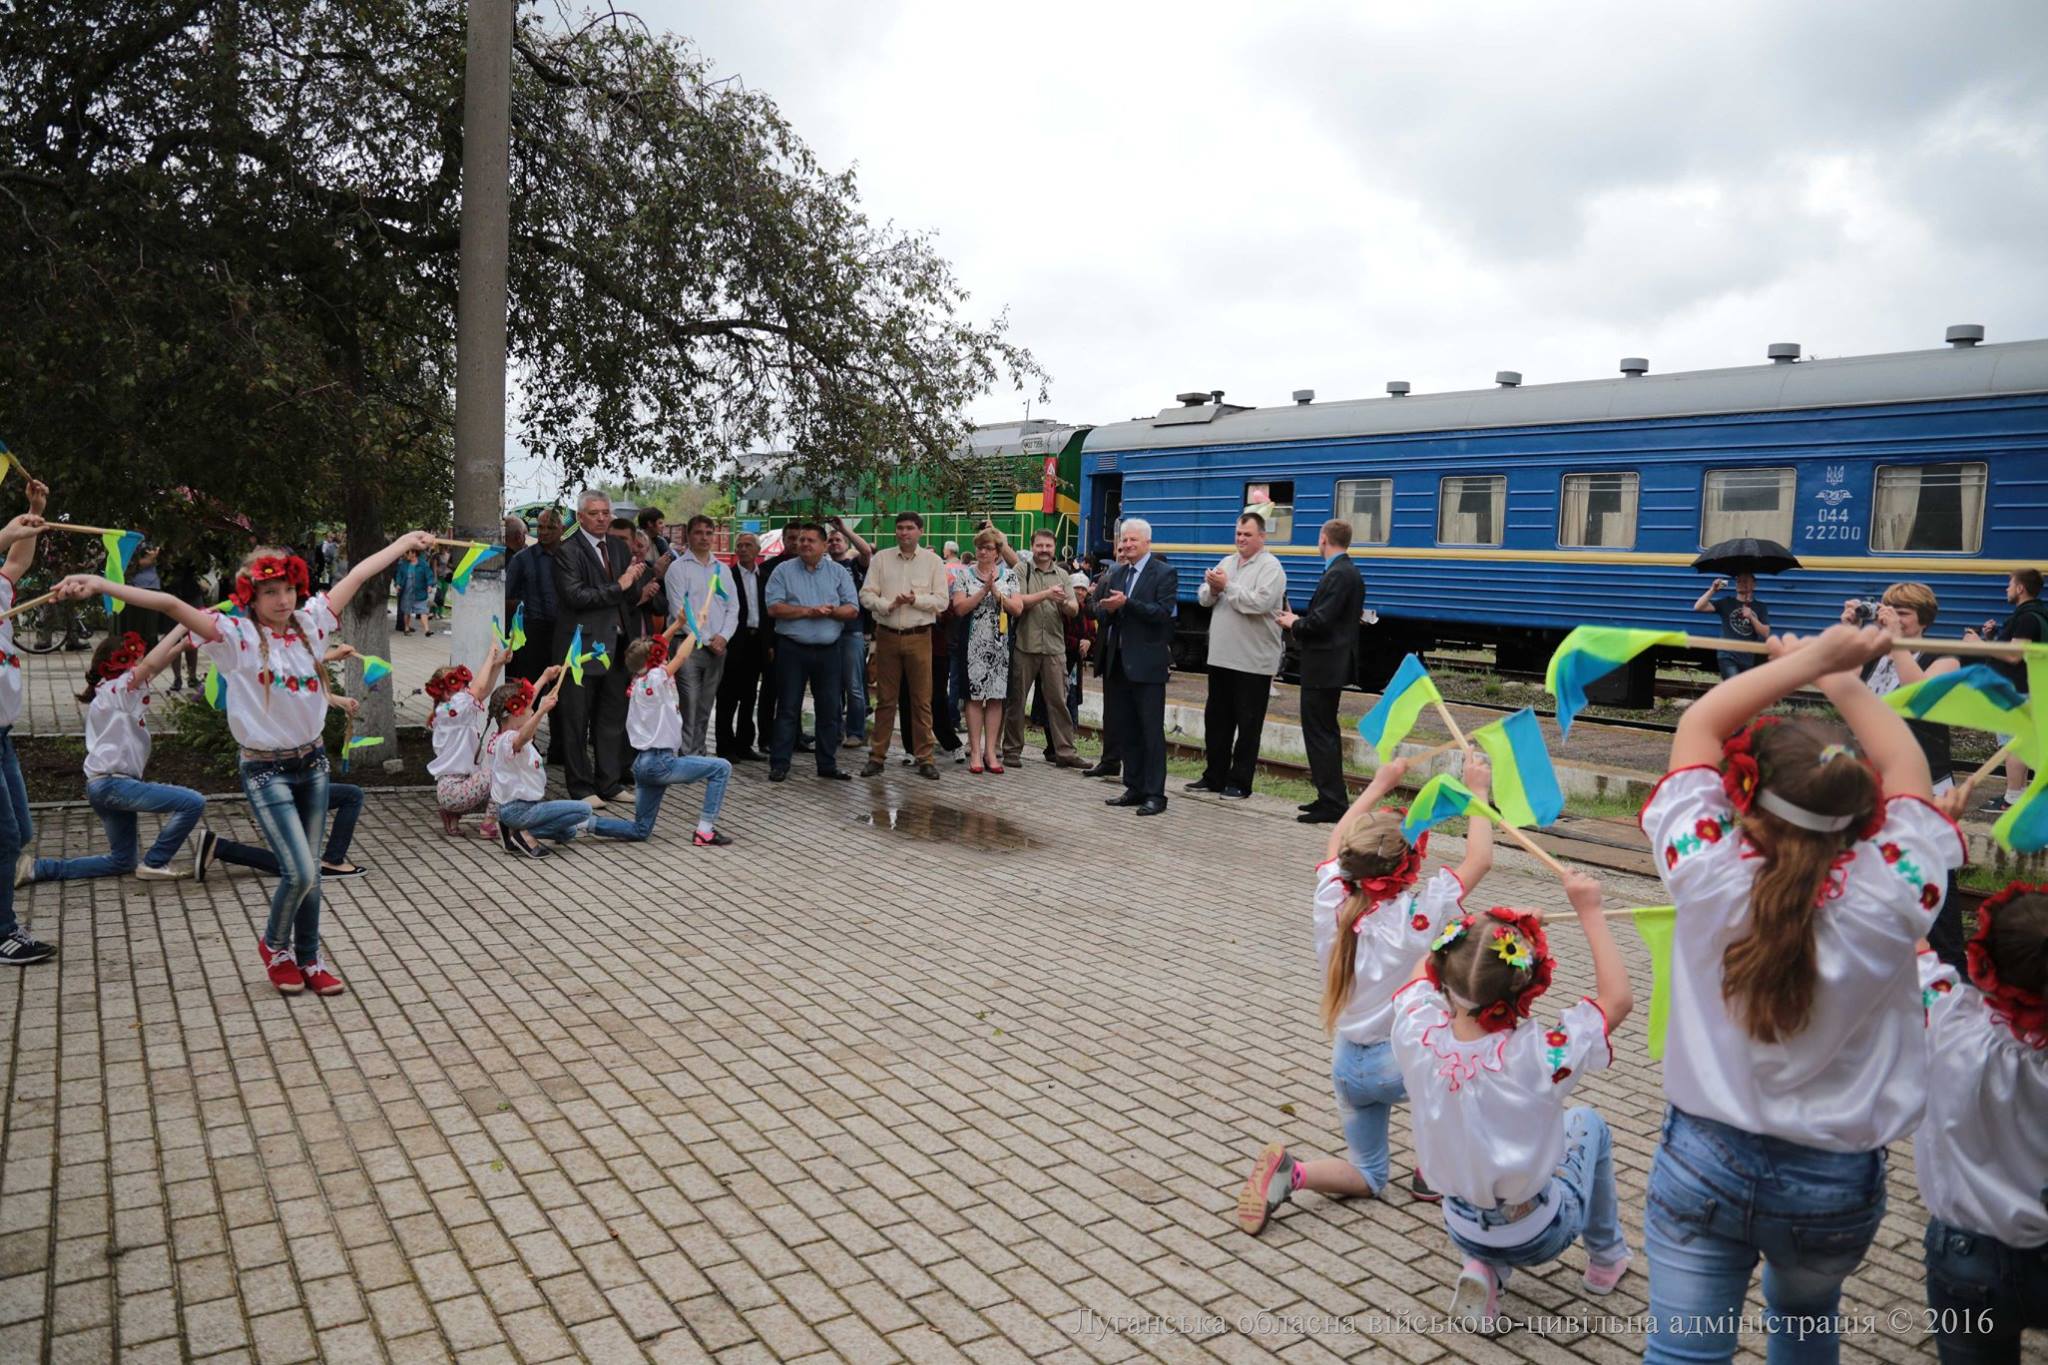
(1862, 610)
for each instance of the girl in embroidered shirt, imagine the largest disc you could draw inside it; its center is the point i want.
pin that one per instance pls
(1803, 875)
(269, 661)
(1522, 1176)
(1366, 903)
(116, 751)
(518, 784)
(654, 727)
(462, 780)
(1982, 1151)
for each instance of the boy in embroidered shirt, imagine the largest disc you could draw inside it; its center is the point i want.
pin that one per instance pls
(1522, 1176)
(1803, 875)
(1366, 902)
(1981, 1153)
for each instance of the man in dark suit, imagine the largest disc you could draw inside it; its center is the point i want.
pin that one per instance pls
(1111, 764)
(600, 587)
(1137, 613)
(746, 657)
(1326, 635)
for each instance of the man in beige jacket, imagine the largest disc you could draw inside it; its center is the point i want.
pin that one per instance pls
(905, 591)
(1243, 593)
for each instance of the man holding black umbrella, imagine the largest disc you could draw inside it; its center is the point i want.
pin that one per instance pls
(1743, 617)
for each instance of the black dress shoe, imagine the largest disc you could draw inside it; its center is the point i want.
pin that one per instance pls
(1102, 770)
(778, 774)
(1319, 817)
(1153, 805)
(1308, 805)
(1203, 785)
(1125, 799)
(1235, 794)
(836, 775)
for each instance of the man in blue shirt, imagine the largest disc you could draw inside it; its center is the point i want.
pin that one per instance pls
(811, 599)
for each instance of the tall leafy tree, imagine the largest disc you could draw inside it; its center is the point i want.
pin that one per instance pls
(228, 233)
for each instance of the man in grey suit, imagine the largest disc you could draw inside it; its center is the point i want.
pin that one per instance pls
(600, 587)
(1137, 611)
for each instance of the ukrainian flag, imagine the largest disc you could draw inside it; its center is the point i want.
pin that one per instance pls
(473, 556)
(375, 670)
(1655, 925)
(1977, 697)
(1589, 654)
(121, 548)
(1525, 786)
(1393, 715)
(2024, 826)
(1442, 798)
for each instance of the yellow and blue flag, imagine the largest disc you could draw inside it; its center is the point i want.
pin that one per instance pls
(1525, 789)
(2024, 826)
(375, 670)
(1977, 697)
(1393, 715)
(121, 548)
(215, 689)
(473, 556)
(1442, 798)
(1589, 654)
(1655, 925)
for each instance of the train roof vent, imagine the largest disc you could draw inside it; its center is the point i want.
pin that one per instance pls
(1508, 379)
(1304, 396)
(1964, 335)
(1196, 406)
(1634, 366)
(1782, 352)
(1397, 388)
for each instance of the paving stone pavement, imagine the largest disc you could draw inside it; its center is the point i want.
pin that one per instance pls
(920, 1071)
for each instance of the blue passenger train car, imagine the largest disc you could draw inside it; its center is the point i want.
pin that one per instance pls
(1506, 516)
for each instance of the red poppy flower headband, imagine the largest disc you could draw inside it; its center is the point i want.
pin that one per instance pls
(657, 652)
(271, 568)
(451, 681)
(1517, 938)
(516, 704)
(2024, 1012)
(125, 656)
(1742, 778)
(1390, 884)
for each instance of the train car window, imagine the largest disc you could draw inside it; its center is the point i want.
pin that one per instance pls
(1275, 503)
(1368, 504)
(1598, 511)
(1471, 509)
(1747, 502)
(1930, 507)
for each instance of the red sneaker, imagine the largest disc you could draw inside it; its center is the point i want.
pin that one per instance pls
(322, 979)
(283, 972)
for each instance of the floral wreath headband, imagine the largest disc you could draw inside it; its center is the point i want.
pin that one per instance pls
(657, 651)
(270, 569)
(2024, 1012)
(125, 656)
(453, 681)
(1516, 937)
(516, 704)
(1742, 778)
(1392, 883)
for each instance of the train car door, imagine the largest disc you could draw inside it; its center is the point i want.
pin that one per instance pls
(1105, 508)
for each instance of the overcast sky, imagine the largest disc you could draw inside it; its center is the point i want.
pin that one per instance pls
(1264, 197)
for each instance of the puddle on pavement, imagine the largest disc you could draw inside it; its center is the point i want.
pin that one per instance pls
(977, 829)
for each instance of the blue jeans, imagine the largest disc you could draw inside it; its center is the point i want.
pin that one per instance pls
(289, 800)
(118, 800)
(17, 828)
(1582, 1190)
(344, 807)
(798, 664)
(1368, 1083)
(853, 670)
(1719, 1198)
(560, 821)
(655, 771)
(1983, 1293)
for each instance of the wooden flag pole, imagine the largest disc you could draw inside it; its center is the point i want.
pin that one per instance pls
(1992, 762)
(1457, 735)
(460, 544)
(1606, 912)
(83, 530)
(1533, 847)
(21, 607)
(1428, 754)
(1973, 649)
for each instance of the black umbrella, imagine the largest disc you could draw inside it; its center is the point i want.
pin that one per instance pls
(1746, 554)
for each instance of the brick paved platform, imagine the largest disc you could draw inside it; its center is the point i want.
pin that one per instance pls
(971, 1078)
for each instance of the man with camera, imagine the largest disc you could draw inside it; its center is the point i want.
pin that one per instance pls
(1743, 617)
(2029, 623)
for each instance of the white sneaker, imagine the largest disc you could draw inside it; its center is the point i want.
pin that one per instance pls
(24, 868)
(1475, 1303)
(144, 872)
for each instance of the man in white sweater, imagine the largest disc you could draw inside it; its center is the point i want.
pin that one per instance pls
(1243, 593)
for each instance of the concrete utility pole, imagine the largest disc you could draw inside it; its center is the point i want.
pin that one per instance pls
(480, 317)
